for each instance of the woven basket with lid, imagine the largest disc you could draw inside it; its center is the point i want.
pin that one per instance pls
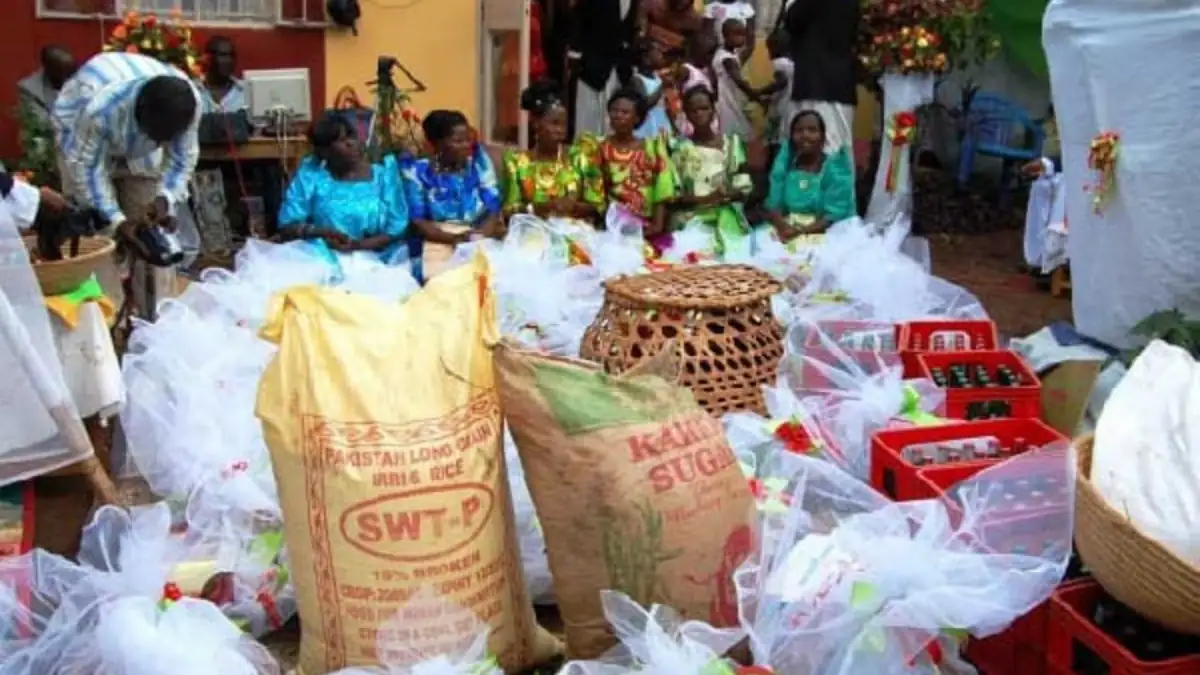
(1132, 567)
(720, 316)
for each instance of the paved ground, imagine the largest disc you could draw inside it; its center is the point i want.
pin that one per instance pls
(987, 264)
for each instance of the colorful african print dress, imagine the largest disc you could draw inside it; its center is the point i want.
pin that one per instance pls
(634, 181)
(702, 170)
(530, 182)
(459, 200)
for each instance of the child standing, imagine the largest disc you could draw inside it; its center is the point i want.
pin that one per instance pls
(695, 72)
(733, 91)
(780, 108)
(718, 12)
(650, 84)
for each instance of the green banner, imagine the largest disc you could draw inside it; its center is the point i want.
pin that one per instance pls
(1018, 24)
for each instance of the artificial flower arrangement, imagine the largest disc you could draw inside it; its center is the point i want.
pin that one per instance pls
(924, 36)
(167, 41)
(38, 164)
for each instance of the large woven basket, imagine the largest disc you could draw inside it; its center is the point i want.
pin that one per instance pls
(1133, 568)
(63, 276)
(720, 315)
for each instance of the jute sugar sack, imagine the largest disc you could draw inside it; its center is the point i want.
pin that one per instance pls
(635, 487)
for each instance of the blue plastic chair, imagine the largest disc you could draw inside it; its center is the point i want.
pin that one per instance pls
(997, 127)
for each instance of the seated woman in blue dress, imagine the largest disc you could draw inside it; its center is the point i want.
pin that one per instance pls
(341, 203)
(453, 196)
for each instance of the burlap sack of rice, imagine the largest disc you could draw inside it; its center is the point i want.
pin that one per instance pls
(635, 487)
(384, 429)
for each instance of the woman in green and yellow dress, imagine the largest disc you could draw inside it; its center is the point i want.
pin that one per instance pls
(713, 181)
(809, 190)
(629, 175)
(548, 180)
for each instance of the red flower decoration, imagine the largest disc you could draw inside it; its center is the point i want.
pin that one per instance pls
(150, 21)
(794, 437)
(267, 601)
(691, 258)
(906, 119)
(171, 592)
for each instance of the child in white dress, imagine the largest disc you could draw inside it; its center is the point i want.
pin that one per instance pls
(719, 11)
(781, 108)
(733, 91)
(650, 83)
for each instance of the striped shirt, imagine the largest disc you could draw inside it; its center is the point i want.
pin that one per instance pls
(95, 128)
(233, 100)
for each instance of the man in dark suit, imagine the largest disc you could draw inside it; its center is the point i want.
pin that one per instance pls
(600, 55)
(823, 35)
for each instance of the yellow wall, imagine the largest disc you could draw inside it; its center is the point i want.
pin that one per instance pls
(438, 40)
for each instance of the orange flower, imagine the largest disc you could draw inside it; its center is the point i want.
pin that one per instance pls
(131, 19)
(120, 32)
(131, 49)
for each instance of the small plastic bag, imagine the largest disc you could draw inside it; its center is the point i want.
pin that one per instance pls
(790, 427)
(851, 583)
(844, 372)
(403, 651)
(116, 612)
(657, 642)
(693, 244)
(877, 280)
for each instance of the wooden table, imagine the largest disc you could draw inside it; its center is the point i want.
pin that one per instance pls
(288, 150)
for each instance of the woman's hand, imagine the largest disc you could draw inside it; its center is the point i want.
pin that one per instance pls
(52, 203)
(1034, 169)
(657, 225)
(332, 237)
(373, 244)
(566, 207)
(720, 196)
(493, 227)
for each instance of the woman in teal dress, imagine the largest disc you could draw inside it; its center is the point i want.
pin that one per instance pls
(809, 190)
(341, 203)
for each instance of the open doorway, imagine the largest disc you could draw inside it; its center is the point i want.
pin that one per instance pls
(524, 41)
(505, 56)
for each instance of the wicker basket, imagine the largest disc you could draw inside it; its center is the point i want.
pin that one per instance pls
(730, 342)
(1133, 568)
(63, 276)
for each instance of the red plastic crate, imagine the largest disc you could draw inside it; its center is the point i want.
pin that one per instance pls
(817, 342)
(916, 337)
(1076, 642)
(837, 331)
(902, 481)
(1025, 400)
(1021, 649)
